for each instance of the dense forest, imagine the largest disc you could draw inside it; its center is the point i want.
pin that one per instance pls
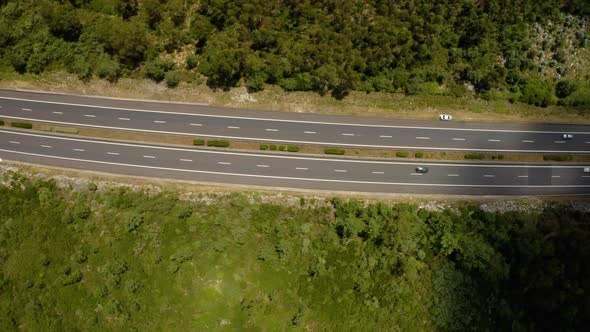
(101, 259)
(527, 51)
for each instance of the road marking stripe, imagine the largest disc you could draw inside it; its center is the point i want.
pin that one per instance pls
(587, 142)
(452, 174)
(262, 166)
(347, 134)
(113, 153)
(527, 141)
(46, 146)
(14, 142)
(26, 109)
(385, 136)
(79, 150)
(270, 129)
(586, 176)
(555, 176)
(340, 170)
(378, 172)
(57, 112)
(276, 156)
(494, 140)
(187, 160)
(523, 176)
(124, 119)
(291, 121)
(302, 168)
(559, 142)
(421, 137)
(295, 141)
(310, 132)
(159, 121)
(489, 176)
(295, 178)
(150, 157)
(459, 139)
(90, 115)
(417, 173)
(232, 127)
(196, 124)
(223, 163)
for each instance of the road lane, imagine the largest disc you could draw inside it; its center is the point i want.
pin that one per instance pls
(306, 129)
(276, 170)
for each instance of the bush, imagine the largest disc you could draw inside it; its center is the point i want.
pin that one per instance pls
(156, 69)
(557, 158)
(564, 88)
(108, 69)
(292, 148)
(172, 79)
(334, 151)
(419, 155)
(282, 148)
(402, 154)
(1, 122)
(499, 157)
(192, 61)
(273, 147)
(24, 125)
(263, 146)
(92, 187)
(198, 142)
(474, 156)
(218, 143)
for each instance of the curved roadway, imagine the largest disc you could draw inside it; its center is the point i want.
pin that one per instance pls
(290, 128)
(276, 170)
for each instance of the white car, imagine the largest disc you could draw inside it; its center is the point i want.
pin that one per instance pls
(567, 136)
(445, 117)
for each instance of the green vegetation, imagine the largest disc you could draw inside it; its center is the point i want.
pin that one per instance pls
(334, 151)
(114, 259)
(419, 155)
(292, 148)
(218, 143)
(402, 154)
(452, 47)
(474, 156)
(198, 141)
(1, 122)
(553, 157)
(273, 147)
(24, 125)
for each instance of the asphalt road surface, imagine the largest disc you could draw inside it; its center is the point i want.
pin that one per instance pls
(290, 128)
(276, 170)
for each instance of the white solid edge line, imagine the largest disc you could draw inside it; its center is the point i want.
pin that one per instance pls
(293, 121)
(295, 141)
(280, 156)
(295, 178)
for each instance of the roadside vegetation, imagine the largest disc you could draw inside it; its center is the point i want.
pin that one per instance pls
(117, 259)
(533, 52)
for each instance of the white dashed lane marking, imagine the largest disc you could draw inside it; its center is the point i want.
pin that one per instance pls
(79, 150)
(223, 163)
(150, 157)
(46, 146)
(159, 121)
(416, 174)
(385, 136)
(555, 176)
(340, 170)
(310, 132)
(113, 153)
(527, 141)
(187, 160)
(124, 119)
(262, 166)
(58, 113)
(14, 142)
(347, 134)
(452, 174)
(26, 109)
(523, 176)
(90, 115)
(489, 176)
(270, 129)
(422, 137)
(301, 168)
(459, 139)
(232, 127)
(378, 172)
(559, 142)
(196, 124)
(494, 140)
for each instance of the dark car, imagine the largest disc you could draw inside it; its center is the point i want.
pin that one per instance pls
(421, 169)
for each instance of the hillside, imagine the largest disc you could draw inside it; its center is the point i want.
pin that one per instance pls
(77, 256)
(533, 52)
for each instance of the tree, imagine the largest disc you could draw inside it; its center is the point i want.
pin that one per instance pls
(565, 88)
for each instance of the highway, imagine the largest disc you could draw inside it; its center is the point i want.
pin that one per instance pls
(292, 171)
(290, 128)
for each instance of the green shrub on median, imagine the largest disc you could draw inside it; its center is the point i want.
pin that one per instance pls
(273, 147)
(474, 156)
(419, 155)
(1, 122)
(218, 144)
(557, 158)
(263, 146)
(402, 154)
(24, 125)
(198, 142)
(292, 148)
(334, 151)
